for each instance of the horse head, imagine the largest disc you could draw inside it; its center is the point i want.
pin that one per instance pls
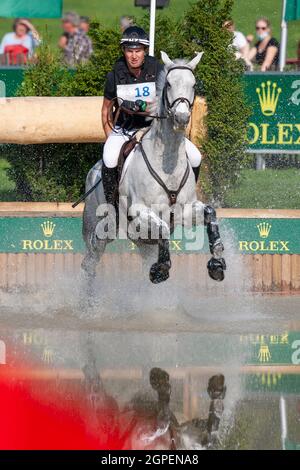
(179, 89)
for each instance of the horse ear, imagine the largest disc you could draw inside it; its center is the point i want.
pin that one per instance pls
(166, 59)
(194, 62)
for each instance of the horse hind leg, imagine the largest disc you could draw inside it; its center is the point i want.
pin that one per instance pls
(94, 250)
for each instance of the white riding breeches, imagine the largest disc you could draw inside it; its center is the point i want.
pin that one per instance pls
(117, 138)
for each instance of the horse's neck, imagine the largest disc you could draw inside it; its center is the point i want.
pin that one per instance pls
(169, 146)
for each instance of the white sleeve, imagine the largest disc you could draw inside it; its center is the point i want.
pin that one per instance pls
(239, 40)
(28, 43)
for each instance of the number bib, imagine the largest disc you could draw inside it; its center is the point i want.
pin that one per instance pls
(137, 91)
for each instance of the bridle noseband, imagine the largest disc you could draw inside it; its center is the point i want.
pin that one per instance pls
(181, 99)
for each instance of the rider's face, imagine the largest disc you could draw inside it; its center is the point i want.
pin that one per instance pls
(134, 57)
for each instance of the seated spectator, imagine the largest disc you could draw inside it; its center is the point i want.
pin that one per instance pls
(239, 43)
(84, 24)
(76, 45)
(265, 53)
(126, 22)
(18, 46)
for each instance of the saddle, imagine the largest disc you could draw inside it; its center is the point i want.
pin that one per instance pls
(127, 148)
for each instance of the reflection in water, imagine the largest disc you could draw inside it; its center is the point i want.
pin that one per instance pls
(148, 390)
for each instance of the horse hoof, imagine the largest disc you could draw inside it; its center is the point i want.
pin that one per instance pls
(216, 387)
(216, 268)
(159, 272)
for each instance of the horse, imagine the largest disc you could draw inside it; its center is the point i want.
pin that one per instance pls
(157, 189)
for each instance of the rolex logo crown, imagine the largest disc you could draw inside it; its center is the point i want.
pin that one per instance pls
(48, 228)
(264, 229)
(264, 354)
(268, 97)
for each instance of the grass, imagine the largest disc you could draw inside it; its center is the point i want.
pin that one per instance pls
(268, 189)
(109, 12)
(7, 187)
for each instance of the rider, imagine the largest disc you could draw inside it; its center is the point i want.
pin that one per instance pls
(132, 80)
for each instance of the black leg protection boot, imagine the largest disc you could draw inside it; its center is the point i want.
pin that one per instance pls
(196, 171)
(110, 184)
(216, 265)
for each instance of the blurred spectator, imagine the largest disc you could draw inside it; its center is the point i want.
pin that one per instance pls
(265, 53)
(18, 46)
(76, 45)
(239, 43)
(84, 24)
(126, 22)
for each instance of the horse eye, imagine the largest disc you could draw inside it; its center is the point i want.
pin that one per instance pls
(168, 85)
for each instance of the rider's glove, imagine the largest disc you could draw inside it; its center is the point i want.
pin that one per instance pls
(141, 105)
(129, 105)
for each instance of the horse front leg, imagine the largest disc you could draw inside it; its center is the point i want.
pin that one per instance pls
(148, 226)
(207, 214)
(216, 265)
(216, 390)
(159, 271)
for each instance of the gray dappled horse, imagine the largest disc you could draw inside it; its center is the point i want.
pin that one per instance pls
(157, 189)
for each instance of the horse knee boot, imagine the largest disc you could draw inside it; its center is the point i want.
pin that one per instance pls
(216, 265)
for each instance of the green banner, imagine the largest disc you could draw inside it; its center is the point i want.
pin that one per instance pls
(63, 235)
(292, 11)
(31, 8)
(273, 349)
(273, 382)
(274, 126)
(10, 80)
(290, 445)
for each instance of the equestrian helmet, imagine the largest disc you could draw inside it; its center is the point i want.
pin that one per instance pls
(134, 37)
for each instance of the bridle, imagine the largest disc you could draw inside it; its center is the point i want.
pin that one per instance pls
(171, 193)
(169, 106)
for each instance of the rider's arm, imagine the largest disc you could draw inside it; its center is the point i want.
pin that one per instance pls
(270, 56)
(110, 93)
(252, 54)
(106, 122)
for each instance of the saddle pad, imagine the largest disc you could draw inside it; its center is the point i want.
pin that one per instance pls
(126, 165)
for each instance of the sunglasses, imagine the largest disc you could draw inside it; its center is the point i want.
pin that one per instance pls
(261, 27)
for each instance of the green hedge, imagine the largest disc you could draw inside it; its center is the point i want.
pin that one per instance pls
(58, 172)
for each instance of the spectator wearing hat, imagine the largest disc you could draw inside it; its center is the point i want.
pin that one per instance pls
(19, 45)
(76, 45)
(84, 24)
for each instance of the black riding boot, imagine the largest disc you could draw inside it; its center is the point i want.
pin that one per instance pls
(196, 171)
(216, 265)
(110, 184)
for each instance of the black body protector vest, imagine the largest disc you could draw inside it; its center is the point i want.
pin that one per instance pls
(131, 88)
